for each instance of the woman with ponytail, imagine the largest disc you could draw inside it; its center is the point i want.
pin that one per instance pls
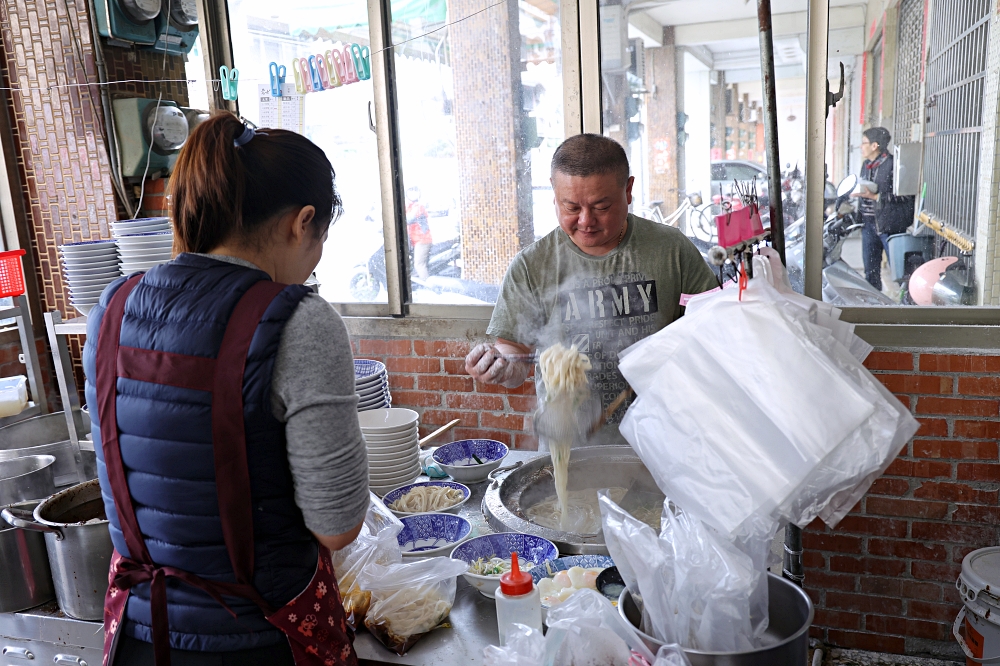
(230, 457)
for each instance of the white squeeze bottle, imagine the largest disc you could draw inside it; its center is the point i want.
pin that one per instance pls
(517, 600)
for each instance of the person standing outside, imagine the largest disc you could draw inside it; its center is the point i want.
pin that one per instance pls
(602, 281)
(882, 212)
(418, 228)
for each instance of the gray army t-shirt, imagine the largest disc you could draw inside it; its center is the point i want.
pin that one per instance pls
(555, 292)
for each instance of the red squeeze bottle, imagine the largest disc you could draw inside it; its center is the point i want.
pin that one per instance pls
(517, 600)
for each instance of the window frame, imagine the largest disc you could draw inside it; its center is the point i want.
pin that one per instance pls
(973, 327)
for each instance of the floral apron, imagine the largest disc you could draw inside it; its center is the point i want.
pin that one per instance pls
(314, 622)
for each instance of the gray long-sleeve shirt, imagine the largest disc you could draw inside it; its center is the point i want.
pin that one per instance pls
(313, 394)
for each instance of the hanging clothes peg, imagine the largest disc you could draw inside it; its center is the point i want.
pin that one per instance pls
(361, 63)
(324, 72)
(306, 76)
(351, 75)
(331, 68)
(339, 67)
(314, 77)
(277, 78)
(300, 86)
(229, 82)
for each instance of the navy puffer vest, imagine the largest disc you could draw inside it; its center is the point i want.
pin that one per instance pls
(183, 307)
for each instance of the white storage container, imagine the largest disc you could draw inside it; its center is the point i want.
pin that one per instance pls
(13, 395)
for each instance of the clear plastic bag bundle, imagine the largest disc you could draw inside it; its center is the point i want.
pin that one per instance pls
(409, 600)
(699, 590)
(756, 409)
(586, 630)
(375, 544)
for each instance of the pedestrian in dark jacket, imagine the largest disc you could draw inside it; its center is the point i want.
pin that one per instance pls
(882, 212)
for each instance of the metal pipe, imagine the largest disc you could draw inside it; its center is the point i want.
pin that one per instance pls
(791, 567)
(818, 20)
(771, 128)
(590, 66)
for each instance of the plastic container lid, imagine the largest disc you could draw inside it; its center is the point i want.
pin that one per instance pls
(981, 574)
(515, 582)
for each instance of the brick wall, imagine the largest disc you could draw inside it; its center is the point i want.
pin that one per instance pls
(884, 579)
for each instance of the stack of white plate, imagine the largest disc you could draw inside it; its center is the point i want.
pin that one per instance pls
(371, 381)
(143, 243)
(393, 447)
(89, 268)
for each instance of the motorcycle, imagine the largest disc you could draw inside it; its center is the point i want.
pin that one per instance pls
(370, 278)
(842, 285)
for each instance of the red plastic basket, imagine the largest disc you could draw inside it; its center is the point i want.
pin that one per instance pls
(11, 275)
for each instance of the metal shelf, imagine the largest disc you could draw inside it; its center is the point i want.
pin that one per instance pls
(75, 326)
(58, 330)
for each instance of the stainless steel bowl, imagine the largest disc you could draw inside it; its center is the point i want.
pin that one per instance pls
(26, 478)
(508, 498)
(45, 435)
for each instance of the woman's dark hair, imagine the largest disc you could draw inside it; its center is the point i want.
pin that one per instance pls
(223, 192)
(591, 155)
(879, 135)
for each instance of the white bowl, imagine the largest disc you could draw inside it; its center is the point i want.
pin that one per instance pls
(145, 254)
(376, 437)
(93, 279)
(397, 449)
(381, 455)
(385, 467)
(381, 446)
(387, 421)
(368, 401)
(83, 308)
(87, 246)
(136, 229)
(382, 464)
(398, 477)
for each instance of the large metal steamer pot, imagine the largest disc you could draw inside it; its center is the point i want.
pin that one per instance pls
(45, 435)
(786, 641)
(25, 578)
(596, 467)
(27, 478)
(79, 546)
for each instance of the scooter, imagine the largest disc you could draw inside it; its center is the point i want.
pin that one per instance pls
(370, 278)
(842, 285)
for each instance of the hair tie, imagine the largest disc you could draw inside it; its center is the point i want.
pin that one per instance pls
(245, 137)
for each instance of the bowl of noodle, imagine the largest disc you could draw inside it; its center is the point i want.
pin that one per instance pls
(427, 497)
(488, 557)
(471, 460)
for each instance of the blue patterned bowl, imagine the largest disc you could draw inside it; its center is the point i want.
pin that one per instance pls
(395, 494)
(550, 569)
(366, 370)
(529, 548)
(431, 534)
(457, 458)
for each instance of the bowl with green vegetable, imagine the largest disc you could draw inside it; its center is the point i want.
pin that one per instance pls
(471, 460)
(488, 557)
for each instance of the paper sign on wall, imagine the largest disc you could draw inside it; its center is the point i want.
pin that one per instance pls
(287, 112)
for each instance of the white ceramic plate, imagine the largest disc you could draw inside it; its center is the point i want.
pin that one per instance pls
(88, 252)
(86, 247)
(94, 271)
(91, 262)
(392, 456)
(135, 229)
(146, 237)
(388, 421)
(86, 293)
(145, 257)
(84, 309)
(369, 402)
(370, 381)
(139, 266)
(92, 282)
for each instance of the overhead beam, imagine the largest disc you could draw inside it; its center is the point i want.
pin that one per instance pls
(643, 26)
(792, 23)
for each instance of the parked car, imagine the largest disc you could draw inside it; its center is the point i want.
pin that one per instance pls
(724, 172)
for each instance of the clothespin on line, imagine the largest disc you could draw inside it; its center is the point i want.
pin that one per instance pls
(229, 81)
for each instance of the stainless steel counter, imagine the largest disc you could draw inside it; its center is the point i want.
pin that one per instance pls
(46, 635)
(472, 624)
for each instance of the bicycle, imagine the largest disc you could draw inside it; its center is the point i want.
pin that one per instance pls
(696, 221)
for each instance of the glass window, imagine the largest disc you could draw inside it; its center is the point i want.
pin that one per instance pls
(682, 93)
(480, 113)
(923, 234)
(262, 31)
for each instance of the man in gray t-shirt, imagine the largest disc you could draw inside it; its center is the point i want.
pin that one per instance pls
(602, 281)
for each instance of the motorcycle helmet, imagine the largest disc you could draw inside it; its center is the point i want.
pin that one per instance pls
(924, 278)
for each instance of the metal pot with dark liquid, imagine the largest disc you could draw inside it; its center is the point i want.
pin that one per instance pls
(79, 546)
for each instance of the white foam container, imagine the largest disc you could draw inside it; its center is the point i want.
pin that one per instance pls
(977, 627)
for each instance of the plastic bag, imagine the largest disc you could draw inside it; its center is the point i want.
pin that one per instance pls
(586, 630)
(671, 655)
(591, 630)
(408, 600)
(755, 409)
(375, 544)
(696, 586)
(524, 647)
